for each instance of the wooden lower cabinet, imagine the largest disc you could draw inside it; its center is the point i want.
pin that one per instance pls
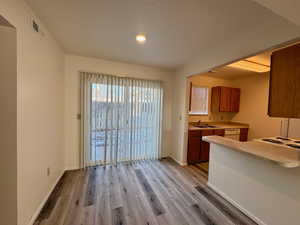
(244, 134)
(198, 150)
(194, 144)
(204, 151)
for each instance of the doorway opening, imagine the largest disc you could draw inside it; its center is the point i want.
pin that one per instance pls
(238, 103)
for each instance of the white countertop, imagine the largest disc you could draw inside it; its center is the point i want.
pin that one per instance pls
(220, 125)
(284, 156)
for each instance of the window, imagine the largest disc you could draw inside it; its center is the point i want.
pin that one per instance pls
(122, 119)
(199, 100)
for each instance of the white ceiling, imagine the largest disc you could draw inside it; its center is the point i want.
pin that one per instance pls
(177, 30)
(264, 58)
(288, 9)
(229, 73)
(4, 22)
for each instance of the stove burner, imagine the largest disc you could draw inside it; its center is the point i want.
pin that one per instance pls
(284, 139)
(272, 141)
(293, 146)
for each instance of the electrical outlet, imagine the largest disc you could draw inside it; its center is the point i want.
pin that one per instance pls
(48, 171)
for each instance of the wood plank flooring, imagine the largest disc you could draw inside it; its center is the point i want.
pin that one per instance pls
(142, 193)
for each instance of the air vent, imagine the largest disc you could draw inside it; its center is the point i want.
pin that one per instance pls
(35, 26)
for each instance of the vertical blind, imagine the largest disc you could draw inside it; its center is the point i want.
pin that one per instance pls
(122, 119)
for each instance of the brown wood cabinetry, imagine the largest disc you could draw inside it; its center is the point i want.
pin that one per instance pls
(235, 100)
(225, 99)
(198, 150)
(284, 94)
(244, 134)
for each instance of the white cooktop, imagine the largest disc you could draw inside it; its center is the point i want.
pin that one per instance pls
(281, 141)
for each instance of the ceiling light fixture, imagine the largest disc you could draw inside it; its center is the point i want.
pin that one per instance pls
(251, 66)
(140, 38)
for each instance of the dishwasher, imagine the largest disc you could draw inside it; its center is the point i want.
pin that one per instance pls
(232, 133)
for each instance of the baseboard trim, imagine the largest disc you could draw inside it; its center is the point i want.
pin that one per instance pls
(234, 203)
(39, 209)
(72, 168)
(178, 162)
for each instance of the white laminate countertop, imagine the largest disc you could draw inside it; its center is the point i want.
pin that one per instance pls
(220, 125)
(285, 157)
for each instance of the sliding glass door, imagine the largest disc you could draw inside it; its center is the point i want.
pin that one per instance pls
(124, 119)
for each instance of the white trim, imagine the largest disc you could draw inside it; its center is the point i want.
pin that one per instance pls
(37, 212)
(238, 206)
(197, 114)
(72, 168)
(179, 162)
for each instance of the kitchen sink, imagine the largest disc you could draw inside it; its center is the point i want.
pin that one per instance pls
(205, 126)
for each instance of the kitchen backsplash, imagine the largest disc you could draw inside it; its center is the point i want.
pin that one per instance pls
(212, 117)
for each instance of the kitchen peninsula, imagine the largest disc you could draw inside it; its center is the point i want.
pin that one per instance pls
(260, 179)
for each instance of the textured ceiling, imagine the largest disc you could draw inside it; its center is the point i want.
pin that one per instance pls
(228, 73)
(4, 22)
(177, 30)
(288, 9)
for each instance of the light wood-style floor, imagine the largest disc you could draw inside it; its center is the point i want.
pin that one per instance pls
(203, 166)
(141, 193)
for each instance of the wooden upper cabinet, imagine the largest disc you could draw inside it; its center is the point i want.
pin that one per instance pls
(235, 100)
(284, 94)
(225, 99)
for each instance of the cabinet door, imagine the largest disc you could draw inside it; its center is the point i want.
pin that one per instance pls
(204, 155)
(235, 100)
(207, 132)
(284, 95)
(215, 99)
(195, 133)
(225, 99)
(219, 132)
(244, 134)
(194, 145)
(204, 151)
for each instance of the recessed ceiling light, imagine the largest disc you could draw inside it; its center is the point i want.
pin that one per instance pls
(140, 38)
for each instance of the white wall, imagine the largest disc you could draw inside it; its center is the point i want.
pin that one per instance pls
(254, 106)
(260, 187)
(74, 64)
(40, 85)
(294, 128)
(8, 129)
